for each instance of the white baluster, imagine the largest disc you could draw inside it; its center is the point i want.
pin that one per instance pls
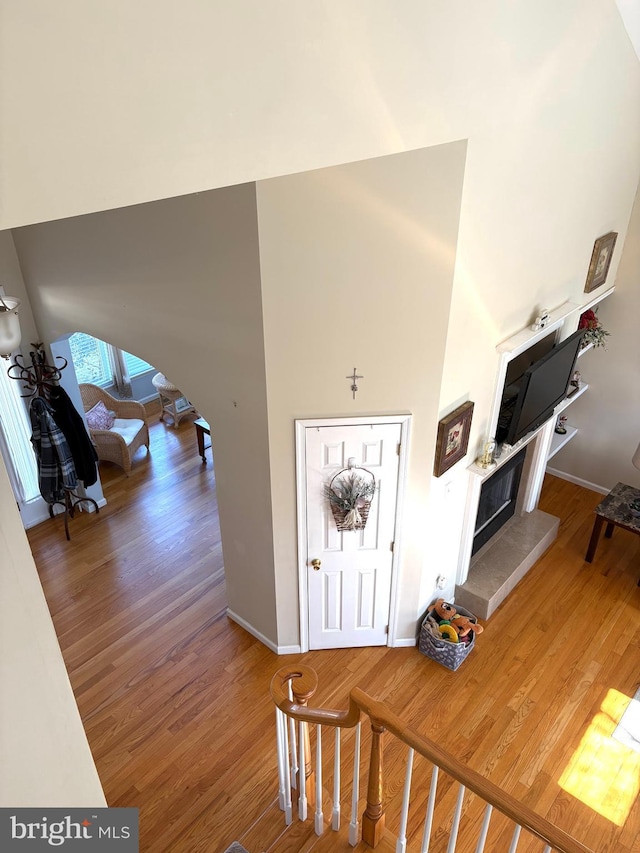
(288, 811)
(294, 749)
(335, 815)
(294, 753)
(456, 821)
(514, 841)
(401, 843)
(319, 827)
(354, 826)
(282, 758)
(302, 779)
(428, 821)
(547, 849)
(485, 828)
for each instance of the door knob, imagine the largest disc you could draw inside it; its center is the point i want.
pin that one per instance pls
(316, 565)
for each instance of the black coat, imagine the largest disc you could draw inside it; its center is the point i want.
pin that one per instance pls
(72, 427)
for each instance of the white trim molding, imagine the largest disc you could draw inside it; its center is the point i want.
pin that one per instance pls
(278, 650)
(593, 487)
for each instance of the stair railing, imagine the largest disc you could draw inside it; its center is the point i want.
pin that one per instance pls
(291, 689)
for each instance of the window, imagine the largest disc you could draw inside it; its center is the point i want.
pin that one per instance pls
(98, 362)
(135, 366)
(15, 440)
(91, 359)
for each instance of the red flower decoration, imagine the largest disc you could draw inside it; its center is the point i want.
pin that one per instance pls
(588, 320)
(594, 333)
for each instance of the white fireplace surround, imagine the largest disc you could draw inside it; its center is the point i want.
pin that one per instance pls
(531, 531)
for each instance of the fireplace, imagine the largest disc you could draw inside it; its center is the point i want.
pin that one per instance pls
(503, 527)
(508, 533)
(497, 502)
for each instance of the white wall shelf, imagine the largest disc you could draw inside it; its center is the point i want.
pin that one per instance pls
(596, 299)
(526, 338)
(570, 399)
(558, 441)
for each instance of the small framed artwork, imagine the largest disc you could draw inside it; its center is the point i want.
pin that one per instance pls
(600, 260)
(453, 438)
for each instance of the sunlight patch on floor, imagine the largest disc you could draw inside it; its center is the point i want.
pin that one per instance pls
(628, 729)
(603, 773)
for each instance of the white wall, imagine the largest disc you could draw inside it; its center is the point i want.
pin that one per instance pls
(608, 415)
(178, 283)
(214, 94)
(44, 753)
(211, 94)
(630, 13)
(553, 164)
(118, 103)
(111, 105)
(357, 269)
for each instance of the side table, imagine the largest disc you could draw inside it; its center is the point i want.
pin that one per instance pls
(616, 510)
(202, 429)
(172, 400)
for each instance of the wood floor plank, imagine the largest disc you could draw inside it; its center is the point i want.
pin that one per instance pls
(174, 696)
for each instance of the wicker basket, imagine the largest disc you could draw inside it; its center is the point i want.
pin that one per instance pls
(448, 654)
(339, 516)
(363, 505)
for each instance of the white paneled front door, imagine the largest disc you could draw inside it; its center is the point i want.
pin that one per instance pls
(349, 589)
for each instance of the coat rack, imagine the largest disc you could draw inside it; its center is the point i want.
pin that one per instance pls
(41, 380)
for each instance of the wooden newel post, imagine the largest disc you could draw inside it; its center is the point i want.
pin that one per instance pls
(302, 698)
(373, 817)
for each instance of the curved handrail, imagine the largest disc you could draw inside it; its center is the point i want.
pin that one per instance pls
(304, 682)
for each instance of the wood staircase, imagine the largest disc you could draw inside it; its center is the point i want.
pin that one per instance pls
(459, 809)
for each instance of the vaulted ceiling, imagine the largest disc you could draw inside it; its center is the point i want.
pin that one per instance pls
(630, 13)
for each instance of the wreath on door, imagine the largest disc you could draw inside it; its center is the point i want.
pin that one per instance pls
(350, 493)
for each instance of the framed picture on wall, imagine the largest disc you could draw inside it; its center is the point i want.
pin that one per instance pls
(600, 261)
(453, 438)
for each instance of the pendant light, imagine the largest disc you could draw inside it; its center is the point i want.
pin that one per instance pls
(9, 325)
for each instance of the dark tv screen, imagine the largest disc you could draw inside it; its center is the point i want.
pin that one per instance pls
(539, 390)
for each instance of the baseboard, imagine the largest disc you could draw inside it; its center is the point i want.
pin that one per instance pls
(278, 650)
(41, 514)
(593, 487)
(35, 519)
(89, 508)
(404, 643)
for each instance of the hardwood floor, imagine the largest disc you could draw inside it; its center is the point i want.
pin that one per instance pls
(174, 696)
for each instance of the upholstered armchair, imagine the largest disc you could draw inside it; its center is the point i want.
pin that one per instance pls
(117, 427)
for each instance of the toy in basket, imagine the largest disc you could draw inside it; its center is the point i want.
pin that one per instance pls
(447, 634)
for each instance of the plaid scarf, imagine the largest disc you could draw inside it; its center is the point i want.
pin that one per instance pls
(56, 471)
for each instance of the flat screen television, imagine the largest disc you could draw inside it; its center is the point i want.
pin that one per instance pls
(529, 400)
